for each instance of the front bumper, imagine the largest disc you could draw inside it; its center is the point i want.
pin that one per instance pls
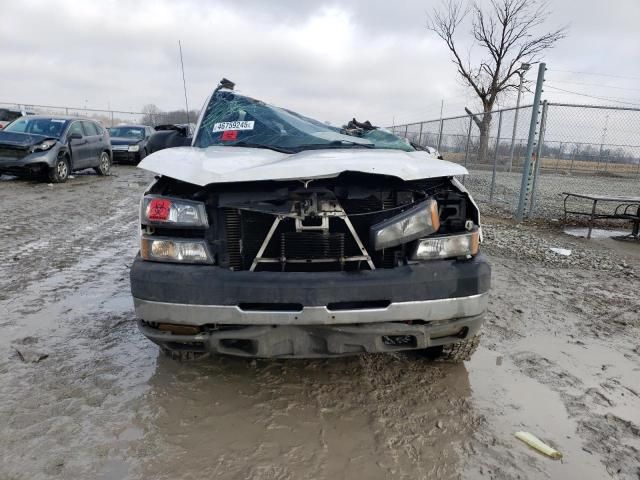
(30, 162)
(287, 314)
(124, 156)
(257, 314)
(210, 285)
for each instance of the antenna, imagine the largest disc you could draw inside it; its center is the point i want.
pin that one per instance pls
(184, 83)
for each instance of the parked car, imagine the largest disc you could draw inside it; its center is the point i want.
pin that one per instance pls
(171, 135)
(129, 143)
(275, 235)
(7, 116)
(54, 146)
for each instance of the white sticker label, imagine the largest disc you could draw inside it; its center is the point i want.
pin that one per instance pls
(57, 120)
(224, 126)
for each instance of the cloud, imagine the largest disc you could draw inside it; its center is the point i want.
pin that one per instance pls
(329, 60)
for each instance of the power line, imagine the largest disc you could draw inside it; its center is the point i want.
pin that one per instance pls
(596, 85)
(597, 74)
(608, 99)
(426, 107)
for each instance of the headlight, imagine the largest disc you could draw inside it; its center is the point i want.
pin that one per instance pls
(174, 250)
(450, 246)
(46, 145)
(418, 221)
(174, 211)
(134, 148)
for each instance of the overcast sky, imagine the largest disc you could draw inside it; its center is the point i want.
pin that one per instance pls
(330, 60)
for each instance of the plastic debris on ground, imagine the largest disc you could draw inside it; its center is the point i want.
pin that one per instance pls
(539, 445)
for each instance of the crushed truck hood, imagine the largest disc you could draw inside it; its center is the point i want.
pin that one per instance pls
(221, 164)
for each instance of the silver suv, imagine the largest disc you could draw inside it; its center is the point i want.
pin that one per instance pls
(54, 147)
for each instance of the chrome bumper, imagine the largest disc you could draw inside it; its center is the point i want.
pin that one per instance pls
(198, 315)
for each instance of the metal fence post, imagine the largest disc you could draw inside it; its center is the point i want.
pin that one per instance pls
(526, 170)
(440, 134)
(495, 159)
(420, 134)
(466, 149)
(112, 118)
(513, 137)
(560, 147)
(406, 130)
(543, 126)
(573, 157)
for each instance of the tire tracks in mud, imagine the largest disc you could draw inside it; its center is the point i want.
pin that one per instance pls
(73, 404)
(595, 314)
(104, 403)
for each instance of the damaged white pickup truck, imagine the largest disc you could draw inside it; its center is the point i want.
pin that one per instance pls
(275, 235)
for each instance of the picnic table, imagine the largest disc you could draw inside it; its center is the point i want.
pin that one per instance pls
(627, 208)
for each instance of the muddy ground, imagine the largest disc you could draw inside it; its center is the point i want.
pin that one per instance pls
(84, 395)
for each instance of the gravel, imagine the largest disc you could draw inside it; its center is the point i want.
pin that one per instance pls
(524, 242)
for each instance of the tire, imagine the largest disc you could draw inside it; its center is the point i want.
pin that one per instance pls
(104, 167)
(454, 352)
(183, 355)
(59, 173)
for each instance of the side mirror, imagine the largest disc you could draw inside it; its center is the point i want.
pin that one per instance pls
(74, 136)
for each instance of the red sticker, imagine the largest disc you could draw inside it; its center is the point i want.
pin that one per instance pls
(230, 135)
(159, 209)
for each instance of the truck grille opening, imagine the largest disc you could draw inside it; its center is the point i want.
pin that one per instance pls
(308, 250)
(312, 246)
(232, 227)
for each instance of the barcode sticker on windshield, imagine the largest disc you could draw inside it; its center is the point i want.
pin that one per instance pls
(224, 126)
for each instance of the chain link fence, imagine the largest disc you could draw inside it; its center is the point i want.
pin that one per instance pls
(577, 148)
(108, 118)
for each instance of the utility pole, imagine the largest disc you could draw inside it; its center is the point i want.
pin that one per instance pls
(521, 71)
(184, 83)
(525, 185)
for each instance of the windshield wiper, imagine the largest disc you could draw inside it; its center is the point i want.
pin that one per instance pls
(334, 144)
(259, 145)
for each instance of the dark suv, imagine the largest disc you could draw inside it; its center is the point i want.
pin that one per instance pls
(275, 235)
(54, 146)
(129, 143)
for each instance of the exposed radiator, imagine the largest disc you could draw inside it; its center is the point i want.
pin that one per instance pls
(233, 228)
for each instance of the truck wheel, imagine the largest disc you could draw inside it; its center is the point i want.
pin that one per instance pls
(183, 355)
(59, 173)
(454, 352)
(105, 164)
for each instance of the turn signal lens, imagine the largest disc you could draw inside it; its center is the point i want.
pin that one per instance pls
(174, 250)
(451, 246)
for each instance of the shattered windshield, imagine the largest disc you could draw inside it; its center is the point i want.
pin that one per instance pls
(235, 120)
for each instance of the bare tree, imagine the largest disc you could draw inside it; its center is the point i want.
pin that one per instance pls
(506, 31)
(151, 114)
